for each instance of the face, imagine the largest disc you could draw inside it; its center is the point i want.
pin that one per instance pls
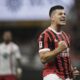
(59, 17)
(7, 36)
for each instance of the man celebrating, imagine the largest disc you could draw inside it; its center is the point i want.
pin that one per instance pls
(9, 58)
(54, 47)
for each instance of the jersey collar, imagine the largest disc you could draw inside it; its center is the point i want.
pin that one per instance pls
(55, 31)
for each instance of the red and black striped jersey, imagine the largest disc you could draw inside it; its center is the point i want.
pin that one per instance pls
(61, 64)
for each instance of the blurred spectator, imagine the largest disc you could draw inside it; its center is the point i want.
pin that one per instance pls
(9, 58)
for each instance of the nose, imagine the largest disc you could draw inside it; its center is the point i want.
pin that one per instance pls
(63, 15)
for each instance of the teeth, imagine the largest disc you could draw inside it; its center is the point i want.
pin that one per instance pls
(62, 20)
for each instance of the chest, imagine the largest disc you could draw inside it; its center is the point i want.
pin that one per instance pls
(6, 52)
(55, 41)
(56, 38)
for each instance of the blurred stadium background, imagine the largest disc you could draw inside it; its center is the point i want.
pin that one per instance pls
(27, 19)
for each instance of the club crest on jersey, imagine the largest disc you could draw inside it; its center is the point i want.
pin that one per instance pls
(5, 55)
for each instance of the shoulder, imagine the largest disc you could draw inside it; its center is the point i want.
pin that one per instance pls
(2, 44)
(15, 45)
(44, 33)
(66, 33)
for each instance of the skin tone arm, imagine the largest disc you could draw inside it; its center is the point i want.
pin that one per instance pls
(50, 55)
(18, 69)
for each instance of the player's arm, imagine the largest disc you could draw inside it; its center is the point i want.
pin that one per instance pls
(18, 69)
(47, 56)
(18, 60)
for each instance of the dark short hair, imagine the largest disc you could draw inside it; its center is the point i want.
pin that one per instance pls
(54, 8)
(7, 31)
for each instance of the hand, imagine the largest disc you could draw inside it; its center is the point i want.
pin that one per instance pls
(62, 45)
(18, 76)
(19, 73)
(75, 72)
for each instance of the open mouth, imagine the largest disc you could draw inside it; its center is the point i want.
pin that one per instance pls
(63, 20)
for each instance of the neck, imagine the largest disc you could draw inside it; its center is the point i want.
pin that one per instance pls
(7, 42)
(56, 27)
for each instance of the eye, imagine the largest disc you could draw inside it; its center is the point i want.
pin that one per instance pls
(62, 13)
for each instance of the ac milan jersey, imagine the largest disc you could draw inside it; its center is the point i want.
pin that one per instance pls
(48, 41)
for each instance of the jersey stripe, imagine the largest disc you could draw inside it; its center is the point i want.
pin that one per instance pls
(66, 38)
(65, 61)
(68, 58)
(53, 37)
(58, 60)
(63, 35)
(45, 41)
(52, 44)
(62, 62)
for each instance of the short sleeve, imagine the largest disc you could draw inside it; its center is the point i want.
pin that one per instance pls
(44, 42)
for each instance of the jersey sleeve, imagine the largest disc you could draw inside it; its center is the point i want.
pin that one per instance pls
(44, 42)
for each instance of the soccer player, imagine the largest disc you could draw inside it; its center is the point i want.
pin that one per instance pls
(9, 58)
(54, 47)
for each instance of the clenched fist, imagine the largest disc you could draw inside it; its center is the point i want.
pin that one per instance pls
(62, 45)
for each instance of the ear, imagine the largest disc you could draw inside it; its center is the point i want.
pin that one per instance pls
(52, 17)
